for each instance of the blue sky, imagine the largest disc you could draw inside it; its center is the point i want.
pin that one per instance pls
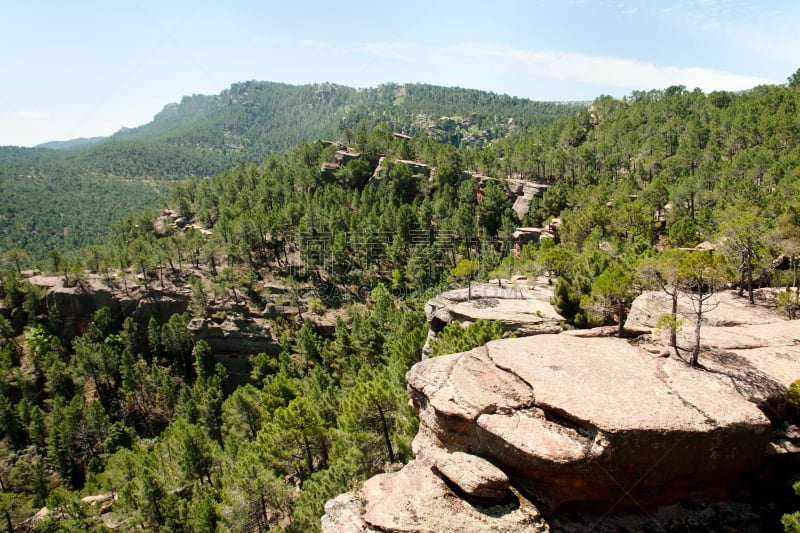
(86, 68)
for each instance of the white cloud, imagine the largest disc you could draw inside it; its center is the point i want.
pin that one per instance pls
(32, 114)
(566, 66)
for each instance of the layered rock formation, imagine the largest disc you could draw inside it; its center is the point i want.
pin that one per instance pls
(587, 424)
(524, 192)
(233, 340)
(75, 304)
(520, 309)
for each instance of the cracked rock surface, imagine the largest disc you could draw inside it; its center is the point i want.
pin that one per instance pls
(416, 500)
(594, 420)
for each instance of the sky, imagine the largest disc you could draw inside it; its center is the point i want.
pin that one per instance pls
(88, 68)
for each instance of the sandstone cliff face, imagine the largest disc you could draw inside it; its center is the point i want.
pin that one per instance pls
(232, 340)
(524, 192)
(75, 305)
(583, 424)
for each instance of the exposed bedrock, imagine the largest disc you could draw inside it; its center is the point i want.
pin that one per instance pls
(597, 422)
(593, 430)
(521, 309)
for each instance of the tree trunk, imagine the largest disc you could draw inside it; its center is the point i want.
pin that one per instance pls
(699, 312)
(386, 439)
(621, 319)
(264, 512)
(750, 270)
(673, 333)
(309, 457)
(742, 270)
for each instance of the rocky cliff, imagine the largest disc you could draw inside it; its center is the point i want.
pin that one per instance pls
(590, 426)
(241, 332)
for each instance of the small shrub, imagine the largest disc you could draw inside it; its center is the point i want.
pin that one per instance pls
(793, 395)
(316, 306)
(669, 324)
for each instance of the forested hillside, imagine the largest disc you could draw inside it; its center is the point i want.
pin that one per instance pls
(339, 264)
(90, 185)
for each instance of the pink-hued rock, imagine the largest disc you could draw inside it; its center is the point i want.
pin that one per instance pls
(415, 499)
(343, 515)
(473, 475)
(599, 421)
(521, 310)
(600, 427)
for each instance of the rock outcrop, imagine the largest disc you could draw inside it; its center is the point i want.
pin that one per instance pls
(75, 304)
(234, 334)
(524, 192)
(520, 309)
(415, 499)
(233, 341)
(593, 424)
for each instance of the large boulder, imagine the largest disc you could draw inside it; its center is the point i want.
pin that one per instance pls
(600, 422)
(473, 475)
(415, 499)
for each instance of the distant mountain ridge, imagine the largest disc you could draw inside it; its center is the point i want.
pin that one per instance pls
(89, 183)
(80, 142)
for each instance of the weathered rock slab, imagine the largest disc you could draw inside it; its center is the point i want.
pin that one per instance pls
(596, 420)
(415, 499)
(724, 309)
(473, 475)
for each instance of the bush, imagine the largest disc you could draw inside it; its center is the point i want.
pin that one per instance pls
(793, 395)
